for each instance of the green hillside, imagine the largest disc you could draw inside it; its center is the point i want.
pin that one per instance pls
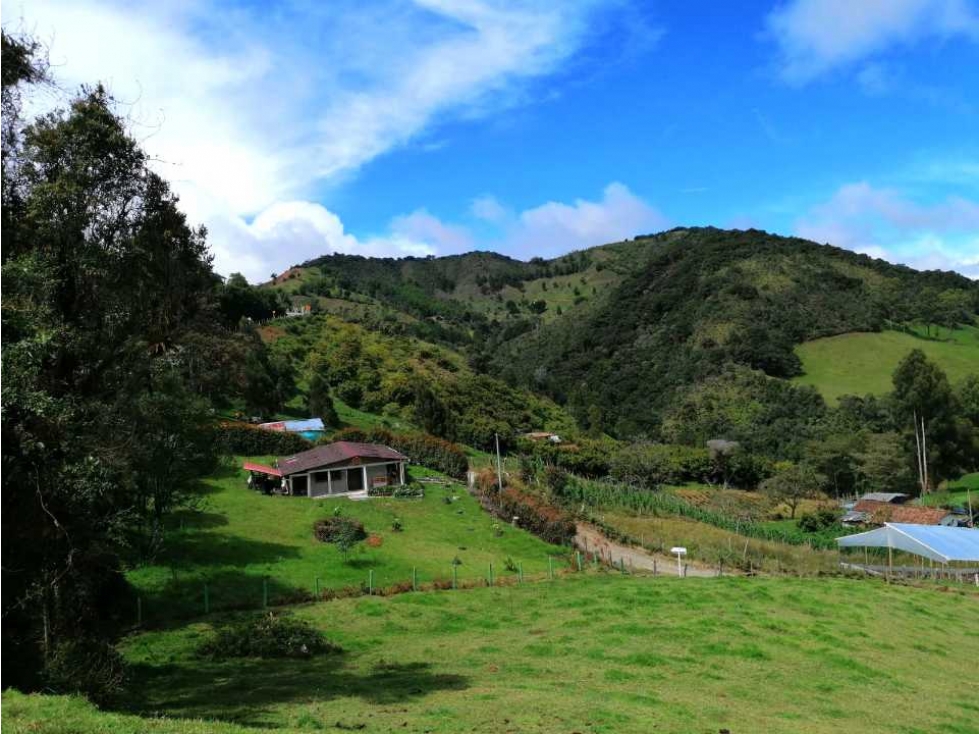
(864, 363)
(595, 654)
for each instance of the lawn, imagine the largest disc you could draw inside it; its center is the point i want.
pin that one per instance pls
(239, 536)
(862, 363)
(588, 654)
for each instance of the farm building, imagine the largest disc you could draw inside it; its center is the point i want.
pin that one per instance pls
(342, 467)
(877, 512)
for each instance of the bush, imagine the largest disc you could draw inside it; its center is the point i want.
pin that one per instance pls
(268, 636)
(337, 528)
(421, 448)
(248, 440)
(414, 490)
(86, 665)
(814, 522)
(543, 520)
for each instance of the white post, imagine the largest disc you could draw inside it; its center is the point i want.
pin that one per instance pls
(364, 469)
(401, 468)
(329, 482)
(917, 451)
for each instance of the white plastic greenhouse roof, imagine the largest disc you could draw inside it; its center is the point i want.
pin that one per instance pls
(936, 542)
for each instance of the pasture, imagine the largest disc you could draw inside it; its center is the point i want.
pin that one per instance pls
(594, 653)
(862, 363)
(241, 543)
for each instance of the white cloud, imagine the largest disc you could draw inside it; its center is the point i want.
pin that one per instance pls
(255, 109)
(555, 228)
(420, 226)
(885, 224)
(489, 209)
(818, 36)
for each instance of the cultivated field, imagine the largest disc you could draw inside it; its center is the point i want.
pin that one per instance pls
(862, 363)
(594, 654)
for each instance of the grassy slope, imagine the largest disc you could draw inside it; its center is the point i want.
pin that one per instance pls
(956, 493)
(591, 654)
(861, 363)
(241, 536)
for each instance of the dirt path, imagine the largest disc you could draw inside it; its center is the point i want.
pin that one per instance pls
(592, 540)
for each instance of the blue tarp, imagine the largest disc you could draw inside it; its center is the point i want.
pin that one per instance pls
(939, 543)
(311, 424)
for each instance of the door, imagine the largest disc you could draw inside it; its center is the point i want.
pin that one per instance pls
(355, 479)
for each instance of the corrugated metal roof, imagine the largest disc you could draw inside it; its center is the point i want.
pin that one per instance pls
(261, 469)
(936, 542)
(309, 424)
(336, 452)
(884, 496)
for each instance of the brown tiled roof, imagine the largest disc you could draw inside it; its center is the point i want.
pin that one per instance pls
(881, 512)
(334, 453)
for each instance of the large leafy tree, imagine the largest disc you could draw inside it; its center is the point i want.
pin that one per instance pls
(102, 279)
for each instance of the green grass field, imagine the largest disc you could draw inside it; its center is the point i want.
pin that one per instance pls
(862, 363)
(589, 654)
(956, 493)
(240, 536)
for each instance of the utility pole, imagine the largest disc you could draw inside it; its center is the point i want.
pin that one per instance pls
(924, 454)
(499, 466)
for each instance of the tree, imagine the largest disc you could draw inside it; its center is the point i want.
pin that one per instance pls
(927, 406)
(721, 453)
(103, 278)
(793, 484)
(319, 402)
(883, 465)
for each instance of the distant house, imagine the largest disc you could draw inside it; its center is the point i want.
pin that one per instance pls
(878, 512)
(338, 468)
(543, 436)
(891, 498)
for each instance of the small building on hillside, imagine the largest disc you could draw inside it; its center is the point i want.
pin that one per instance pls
(891, 498)
(877, 512)
(310, 428)
(542, 436)
(338, 468)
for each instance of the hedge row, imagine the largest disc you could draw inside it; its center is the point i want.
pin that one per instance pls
(248, 440)
(421, 448)
(547, 522)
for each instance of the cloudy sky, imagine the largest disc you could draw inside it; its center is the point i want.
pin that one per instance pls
(395, 128)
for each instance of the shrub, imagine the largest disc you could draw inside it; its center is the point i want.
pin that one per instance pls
(814, 522)
(248, 440)
(414, 490)
(396, 525)
(336, 528)
(543, 520)
(86, 665)
(268, 636)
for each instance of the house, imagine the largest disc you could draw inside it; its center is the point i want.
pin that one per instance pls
(891, 498)
(878, 512)
(338, 468)
(542, 436)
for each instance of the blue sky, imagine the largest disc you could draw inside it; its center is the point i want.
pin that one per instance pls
(534, 128)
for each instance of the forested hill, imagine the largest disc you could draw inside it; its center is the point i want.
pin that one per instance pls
(622, 333)
(706, 298)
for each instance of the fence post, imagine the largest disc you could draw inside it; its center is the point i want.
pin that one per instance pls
(265, 591)
(720, 567)
(207, 600)
(490, 578)
(685, 567)
(370, 582)
(455, 576)
(622, 564)
(578, 559)
(317, 587)
(550, 568)
(655, 570)
(414, 578)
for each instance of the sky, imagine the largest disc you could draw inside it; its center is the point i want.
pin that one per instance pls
(534, 128)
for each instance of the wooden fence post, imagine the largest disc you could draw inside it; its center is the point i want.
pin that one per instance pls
(414, 578)
(370, 582)
(490, 574)
(455, 576)
(317, 587)
(550, 568)
(578, 558)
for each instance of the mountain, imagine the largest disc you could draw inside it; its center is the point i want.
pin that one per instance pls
(622, 333)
